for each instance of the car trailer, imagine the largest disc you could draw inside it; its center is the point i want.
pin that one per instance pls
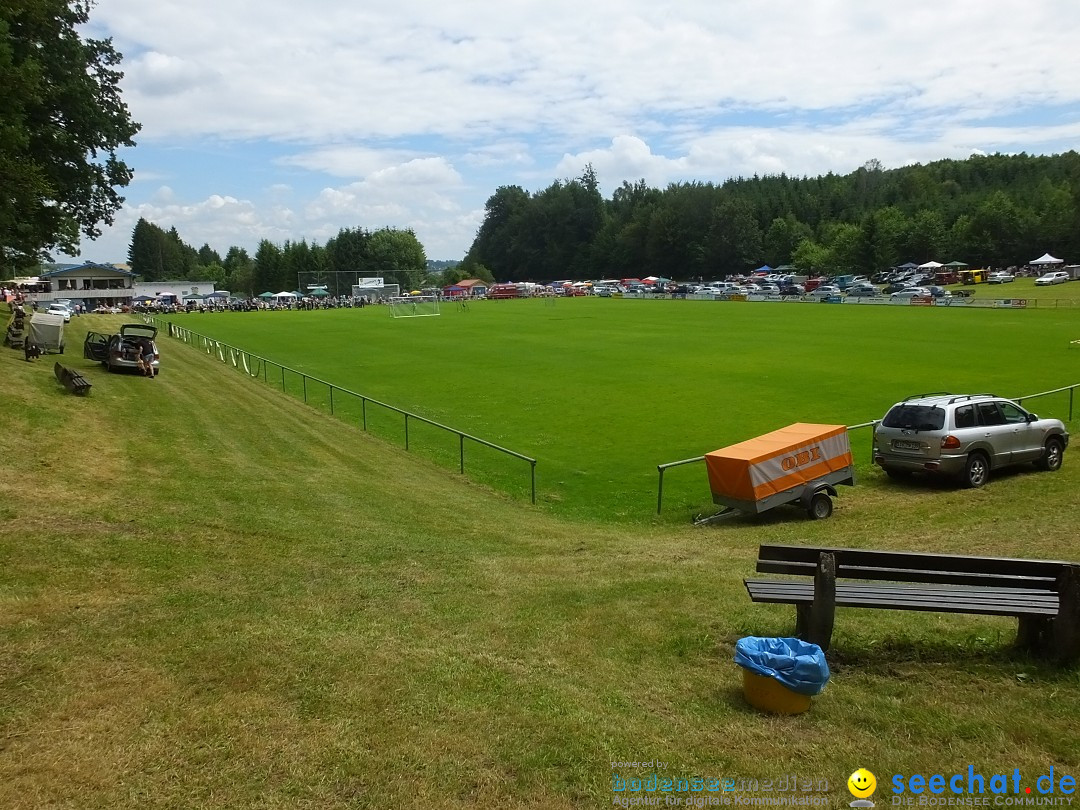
(801, 464)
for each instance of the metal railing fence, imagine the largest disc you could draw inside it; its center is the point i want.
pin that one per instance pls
(258, 367)
(661, 468)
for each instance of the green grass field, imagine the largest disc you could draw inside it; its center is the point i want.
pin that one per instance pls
(214, 596)
(600, 391)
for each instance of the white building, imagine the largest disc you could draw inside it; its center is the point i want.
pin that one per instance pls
(179, 290)
(90, 284)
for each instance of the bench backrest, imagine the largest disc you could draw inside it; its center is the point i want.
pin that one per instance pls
(914, 566)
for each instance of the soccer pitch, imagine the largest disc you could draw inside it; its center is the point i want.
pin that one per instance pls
(600, 391)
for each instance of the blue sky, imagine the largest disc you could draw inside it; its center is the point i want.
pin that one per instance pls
(282, 120)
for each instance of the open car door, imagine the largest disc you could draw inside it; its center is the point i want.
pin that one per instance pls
(96, 347)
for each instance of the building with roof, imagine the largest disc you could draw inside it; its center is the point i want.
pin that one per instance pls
(473, 287)
(90, 284)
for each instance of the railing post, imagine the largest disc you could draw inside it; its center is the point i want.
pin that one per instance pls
(283, 379)
(532, 465)
(363, 410)
(461, 447)
(406, 431)
(305, 388)
(1071, 389)
(660, 489)
(331, 400)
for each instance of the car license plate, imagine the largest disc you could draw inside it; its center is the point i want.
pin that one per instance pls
(903, 444)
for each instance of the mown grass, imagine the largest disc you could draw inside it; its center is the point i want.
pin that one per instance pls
(601, 391)
(214, 597)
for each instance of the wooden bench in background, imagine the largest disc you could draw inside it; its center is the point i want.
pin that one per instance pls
(72, 380)
(1044, 595)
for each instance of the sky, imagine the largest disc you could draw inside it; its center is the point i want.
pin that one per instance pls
(283, 120)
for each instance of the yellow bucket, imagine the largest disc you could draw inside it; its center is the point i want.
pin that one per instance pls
(769, 695)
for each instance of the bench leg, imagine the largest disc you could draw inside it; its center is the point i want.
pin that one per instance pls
(1065, 632)
(814, 621)
(823, 610)
(802, 620)
(1033, 633)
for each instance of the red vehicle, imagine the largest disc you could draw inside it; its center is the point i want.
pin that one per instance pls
(503, 291)
(813, 283)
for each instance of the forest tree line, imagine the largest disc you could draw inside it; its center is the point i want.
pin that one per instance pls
(988, 210)
(395, 255)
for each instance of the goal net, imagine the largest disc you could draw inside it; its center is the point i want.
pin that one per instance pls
(413, 306)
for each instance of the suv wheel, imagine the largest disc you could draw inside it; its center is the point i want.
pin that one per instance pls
(897, 475)
(1052, 455)
(976, 471)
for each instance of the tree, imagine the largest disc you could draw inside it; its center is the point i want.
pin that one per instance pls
(398, 257)
(144, 252)
(239, 271)
(208, 256)
(62, 121)
(782, 237)
(268, 270)
(733, 243)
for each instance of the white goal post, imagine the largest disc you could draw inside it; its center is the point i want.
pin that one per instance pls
(413, 306)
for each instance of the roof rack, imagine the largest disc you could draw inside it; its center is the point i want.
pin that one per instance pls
(969, 396)
(928, 394)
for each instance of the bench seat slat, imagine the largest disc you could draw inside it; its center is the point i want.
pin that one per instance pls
(915, 560)
(848, 571)
(942, 600)
(1001, 594)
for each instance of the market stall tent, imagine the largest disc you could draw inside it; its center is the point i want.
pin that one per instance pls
(1046, 258)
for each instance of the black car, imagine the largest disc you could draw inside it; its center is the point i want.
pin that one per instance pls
(118, 352)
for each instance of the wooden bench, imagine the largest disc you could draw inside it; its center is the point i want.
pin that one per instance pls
(1044, 595)
(72, 380)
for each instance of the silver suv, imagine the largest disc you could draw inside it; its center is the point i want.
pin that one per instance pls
(966, 436)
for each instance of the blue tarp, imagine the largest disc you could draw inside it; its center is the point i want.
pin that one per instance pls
(797, 664)
(764, 269)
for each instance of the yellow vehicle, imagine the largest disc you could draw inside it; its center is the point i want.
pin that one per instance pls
(974, 276)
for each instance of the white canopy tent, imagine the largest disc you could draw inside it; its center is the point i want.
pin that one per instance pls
(1046, 258)
(284, 295)
(931, 265)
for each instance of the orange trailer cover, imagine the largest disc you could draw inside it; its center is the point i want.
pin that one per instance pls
(778, 461)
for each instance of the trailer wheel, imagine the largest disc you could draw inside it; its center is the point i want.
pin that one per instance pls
(820, 506)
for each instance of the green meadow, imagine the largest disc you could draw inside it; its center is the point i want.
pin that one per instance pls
(601, 391)
(213, 596)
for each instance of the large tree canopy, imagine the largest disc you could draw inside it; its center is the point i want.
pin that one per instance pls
(61, 122)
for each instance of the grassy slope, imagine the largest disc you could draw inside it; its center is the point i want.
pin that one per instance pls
(214, 598)
(601, 391)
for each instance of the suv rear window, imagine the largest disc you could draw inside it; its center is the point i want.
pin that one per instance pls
(914, 417)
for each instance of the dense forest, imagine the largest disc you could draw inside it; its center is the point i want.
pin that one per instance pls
(993, 210)
(395, 255)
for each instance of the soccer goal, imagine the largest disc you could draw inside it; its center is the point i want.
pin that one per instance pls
(413, 306)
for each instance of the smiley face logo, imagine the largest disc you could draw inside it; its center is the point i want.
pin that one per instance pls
(862, 783)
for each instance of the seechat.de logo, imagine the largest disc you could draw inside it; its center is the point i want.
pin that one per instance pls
(862, 785)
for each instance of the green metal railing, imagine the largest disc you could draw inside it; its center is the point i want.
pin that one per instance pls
(662, 468)
(257, 366)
